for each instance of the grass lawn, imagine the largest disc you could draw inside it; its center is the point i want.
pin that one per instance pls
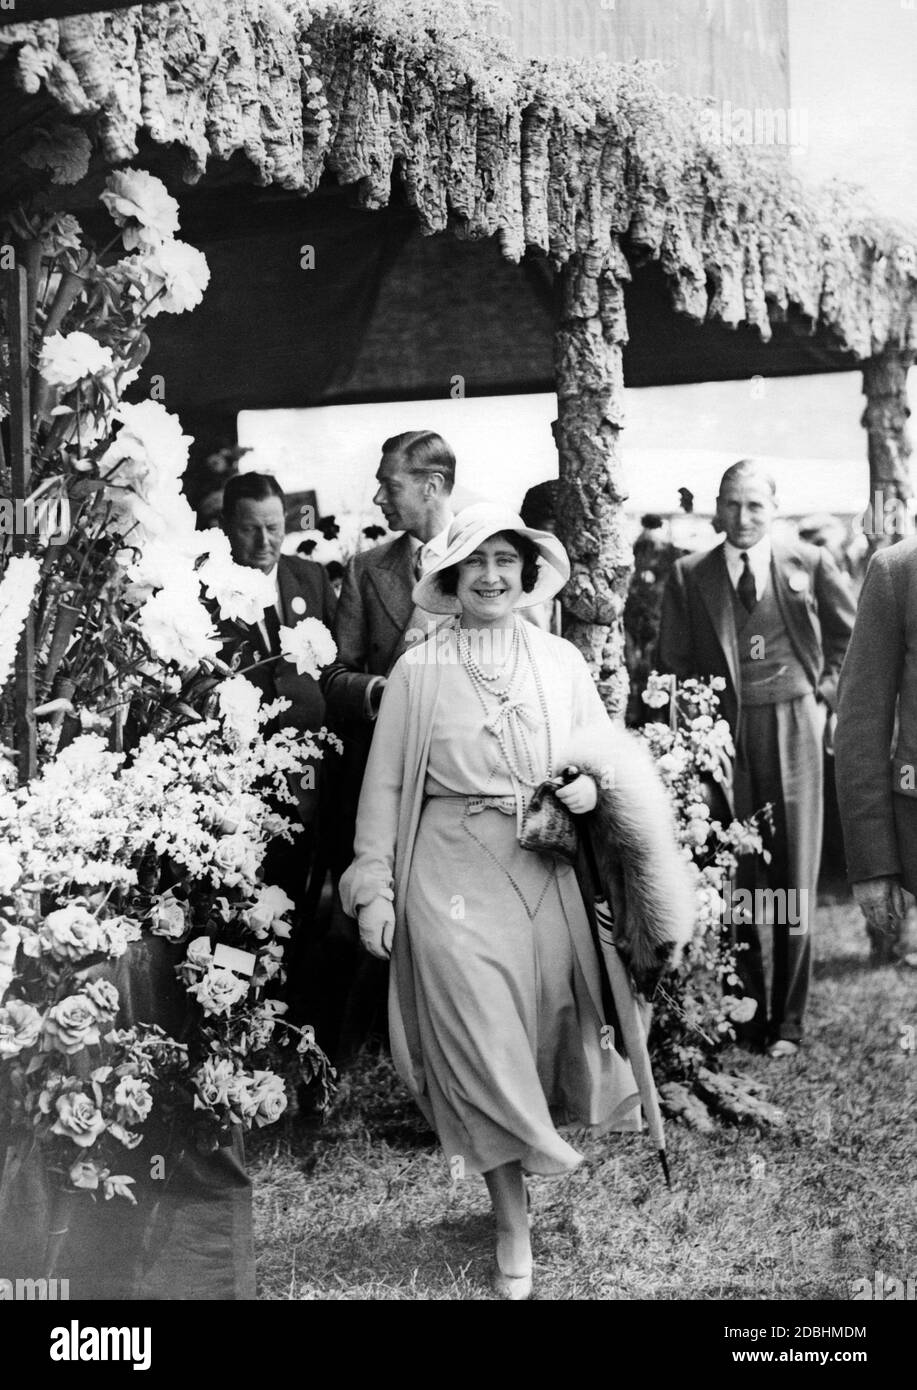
(364, 1208)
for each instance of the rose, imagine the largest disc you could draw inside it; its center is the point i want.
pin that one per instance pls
(269, 1097)
(139, 203)
(167, 918)
(70, 933)
(133, 1099)
(199, 952)
(739, 1008)
(78, 1119)
(71, 1025)
(20, 1026)
(68, 358)
(86, 1174)
(105, 997)
(218, 991)
(117, 933)
(271, 904)
(212, 1083)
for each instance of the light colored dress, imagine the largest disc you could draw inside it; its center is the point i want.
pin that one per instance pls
(500, 1002)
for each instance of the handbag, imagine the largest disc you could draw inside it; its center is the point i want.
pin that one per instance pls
(547, 826)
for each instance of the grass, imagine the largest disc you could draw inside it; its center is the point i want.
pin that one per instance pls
(363, 1207)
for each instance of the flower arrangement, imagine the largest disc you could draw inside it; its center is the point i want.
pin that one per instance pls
(694, 1014)
(106, 859)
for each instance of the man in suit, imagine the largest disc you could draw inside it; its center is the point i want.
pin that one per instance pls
(254, 521)
(876, 759)
(375, 621)
(773, 620)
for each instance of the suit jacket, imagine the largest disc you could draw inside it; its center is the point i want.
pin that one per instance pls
(373, 612)
(875, 760)
(297, 579)
(697, 636)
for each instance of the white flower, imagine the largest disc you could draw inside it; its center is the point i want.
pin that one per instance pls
(20, 1026)
(167, 918)
(271, 904)
(655, 697)
(242, 593)
(67, 358)
(139, 203)
(739, 1008)
(269, 1097)
(162, 564)
(240, 702)
(178, 276)
(10, 869)
(134, 1099)
(199, 952)
(150, 447)
(219, 990)
(70, 933)
(309, 645)
(177, 627)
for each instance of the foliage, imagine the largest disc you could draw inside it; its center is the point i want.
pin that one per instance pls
(694, 1016)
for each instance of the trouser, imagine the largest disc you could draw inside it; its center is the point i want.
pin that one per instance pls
(779, 760)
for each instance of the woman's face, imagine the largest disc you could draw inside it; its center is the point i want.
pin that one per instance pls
(490, 582)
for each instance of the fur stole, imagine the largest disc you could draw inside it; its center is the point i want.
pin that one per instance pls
(646, 880)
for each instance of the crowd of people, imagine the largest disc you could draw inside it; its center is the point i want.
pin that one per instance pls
(457, 702)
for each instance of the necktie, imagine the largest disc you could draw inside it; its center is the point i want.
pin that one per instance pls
(272, 627)
(418, 565)
(746, 585)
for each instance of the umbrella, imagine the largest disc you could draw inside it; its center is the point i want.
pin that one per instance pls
(626, 1003)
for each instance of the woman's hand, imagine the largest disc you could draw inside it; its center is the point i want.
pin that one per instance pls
(377, 927)
(580, 795)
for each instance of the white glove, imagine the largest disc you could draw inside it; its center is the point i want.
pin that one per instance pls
(580, 795)
(377, 927)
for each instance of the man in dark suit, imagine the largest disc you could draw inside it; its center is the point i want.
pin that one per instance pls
(774, 621)
(876, 756)
(254, 521)
(374, 622)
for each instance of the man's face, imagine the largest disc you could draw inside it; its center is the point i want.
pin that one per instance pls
(745, 510)
(402, 496)
(256, 530)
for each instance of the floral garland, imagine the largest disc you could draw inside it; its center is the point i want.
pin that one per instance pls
(694, 1015)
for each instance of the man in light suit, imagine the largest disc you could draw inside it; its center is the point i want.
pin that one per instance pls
(374, 623)
(774, 621)
(876, 758)
(254, 520)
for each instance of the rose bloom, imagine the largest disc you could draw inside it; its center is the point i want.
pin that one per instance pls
(178, 275)
(270, 1095)
(134, 1100)
(740, 1009)
(199, 952)
(86, 1174)
(104, 995)
(270, 904)
(139, 203)
(219, 990)
(309, 645)
(78, 1119)
(71, 1025)
(70, 933)
(167, 918)
(67, 358)
(212, 1082)
(20, 1026)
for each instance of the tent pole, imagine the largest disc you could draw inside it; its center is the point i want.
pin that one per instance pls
(889, 446)
(588, 362)
(17, 298)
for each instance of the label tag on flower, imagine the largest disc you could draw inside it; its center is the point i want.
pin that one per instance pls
(231, 958)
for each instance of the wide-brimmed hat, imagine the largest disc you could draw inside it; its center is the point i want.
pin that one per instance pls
(471, 528)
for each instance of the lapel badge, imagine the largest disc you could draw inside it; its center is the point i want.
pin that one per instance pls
(298, 604)
(798, 581)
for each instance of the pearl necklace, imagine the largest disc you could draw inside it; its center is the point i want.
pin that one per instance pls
(509, 709)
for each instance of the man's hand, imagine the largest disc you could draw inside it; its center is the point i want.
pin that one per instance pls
(580, 795)
(880, 899)
(377, 927)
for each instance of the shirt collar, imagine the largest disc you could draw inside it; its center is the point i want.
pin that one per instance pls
(437, 544)
(759, 555)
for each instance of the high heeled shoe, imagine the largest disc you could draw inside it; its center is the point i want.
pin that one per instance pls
(514, 1288)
